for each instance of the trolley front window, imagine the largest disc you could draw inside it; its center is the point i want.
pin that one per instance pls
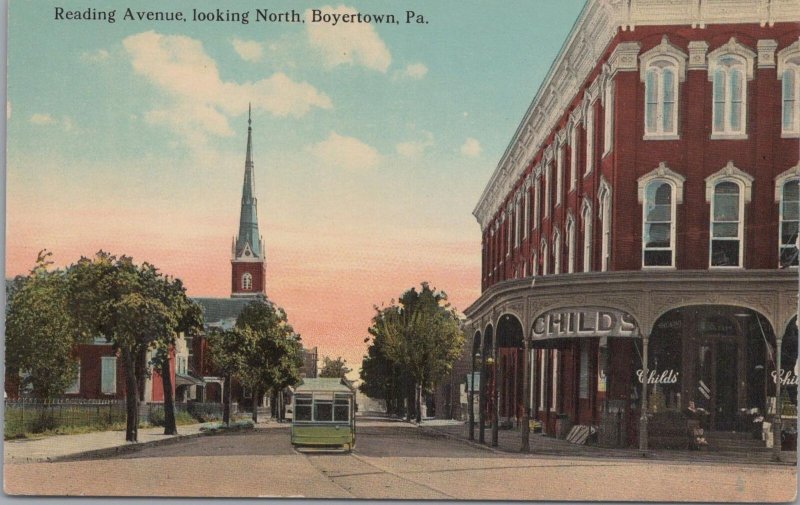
(302, 408)
(341, 410)
(323, 410)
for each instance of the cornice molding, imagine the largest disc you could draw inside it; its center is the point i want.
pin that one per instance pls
(596, 26)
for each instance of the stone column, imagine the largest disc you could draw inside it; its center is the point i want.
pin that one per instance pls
(525, 446)
(472, 395)
(777, 424)
(482, 400)
(495, 394)
(643, 403)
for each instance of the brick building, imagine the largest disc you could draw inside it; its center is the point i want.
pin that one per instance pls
(638, 233)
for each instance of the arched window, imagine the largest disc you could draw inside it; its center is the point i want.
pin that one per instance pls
(730, 67)
(570, 244)
(545, 257)
(658, 235)
(586, 217)
(556, 252)
(247, 282)
(727, 191)
(789, 74)
(660, 191)
(604, 196)
(790, 216)
(662, 69)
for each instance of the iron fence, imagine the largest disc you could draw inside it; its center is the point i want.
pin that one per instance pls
(35, 416)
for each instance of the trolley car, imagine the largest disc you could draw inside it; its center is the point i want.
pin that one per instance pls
(323, 415)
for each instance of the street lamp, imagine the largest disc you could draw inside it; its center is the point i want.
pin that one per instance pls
(472, 398)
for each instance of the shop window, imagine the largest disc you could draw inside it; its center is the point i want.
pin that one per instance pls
(789, 74)
(108, 375)
(730, 67)
(789, 216)
(247, 282)
(665, 364)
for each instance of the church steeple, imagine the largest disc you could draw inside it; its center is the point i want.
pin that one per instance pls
(248, 239)
(248, 266)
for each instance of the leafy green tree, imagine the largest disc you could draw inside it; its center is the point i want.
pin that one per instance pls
(422, 333)
(189, 318)
(113, 297)
(274, 360)
(334, 368)
(40, 331)
(229, 350)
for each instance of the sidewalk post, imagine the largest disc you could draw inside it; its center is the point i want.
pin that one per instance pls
(643, 403)
(495, 395)
(526, 408)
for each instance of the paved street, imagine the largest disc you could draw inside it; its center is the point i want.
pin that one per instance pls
(391, 460)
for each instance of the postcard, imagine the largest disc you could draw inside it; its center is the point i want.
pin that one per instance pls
(454, 250)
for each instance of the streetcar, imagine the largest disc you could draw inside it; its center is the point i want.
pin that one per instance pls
(323, 415)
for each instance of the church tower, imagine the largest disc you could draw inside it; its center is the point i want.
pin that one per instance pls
(248, 264)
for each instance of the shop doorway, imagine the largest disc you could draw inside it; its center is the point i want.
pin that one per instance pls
(717, 384)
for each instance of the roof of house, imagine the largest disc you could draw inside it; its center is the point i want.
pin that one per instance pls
(221, 309)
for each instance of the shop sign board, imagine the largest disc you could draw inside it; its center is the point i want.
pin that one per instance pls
(584, 322)
(786, 377)
(654, 377)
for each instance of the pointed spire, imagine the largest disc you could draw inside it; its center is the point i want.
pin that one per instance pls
(248, 219)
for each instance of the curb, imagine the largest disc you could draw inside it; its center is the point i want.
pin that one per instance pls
(472, 443)
(127, 448)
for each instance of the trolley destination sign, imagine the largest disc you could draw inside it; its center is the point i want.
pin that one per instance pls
(584, 322)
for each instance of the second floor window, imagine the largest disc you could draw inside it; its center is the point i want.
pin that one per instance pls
(791, 96)
(790, 216)
(726, 226)
(658, 236)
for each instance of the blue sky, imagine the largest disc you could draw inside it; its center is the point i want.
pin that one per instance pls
(372, 143)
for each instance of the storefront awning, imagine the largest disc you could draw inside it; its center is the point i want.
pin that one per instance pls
(583, 322)
(187, 380)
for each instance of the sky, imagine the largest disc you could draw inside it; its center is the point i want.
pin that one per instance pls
(372, 143)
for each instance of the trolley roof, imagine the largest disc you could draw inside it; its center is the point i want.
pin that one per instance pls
(324, 384)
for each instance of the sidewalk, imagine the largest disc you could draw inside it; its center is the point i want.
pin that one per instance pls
(509, 441)
(95, 444)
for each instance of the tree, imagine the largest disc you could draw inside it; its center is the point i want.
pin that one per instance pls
(40, 331)
(229, 350)
(274, 360)
(334, 368)
(422, 334)
(189, 318)
(115, 298)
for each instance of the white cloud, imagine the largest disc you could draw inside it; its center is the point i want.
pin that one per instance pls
(200, 101)
(414, 148)
(345, 152)
(348, 43)
(96, 56)
(42, 119)
(248, 50)
(414, 71)
(471, 148)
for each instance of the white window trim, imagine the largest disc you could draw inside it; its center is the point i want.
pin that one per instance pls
(570, 243)
(507, 218)
(537, 196)
(548, 188)
(668, 53)
(586, 217)
(545, 256)
(527, 205)
(113, 364)
(785, 57)
(559, 171)
(608, 113)
(662, 173)
(556, 251)
(535, 262)
(782, 178)
(604, 204)
(741, 52)
(745, 182)
(517, 221)
(589, 139)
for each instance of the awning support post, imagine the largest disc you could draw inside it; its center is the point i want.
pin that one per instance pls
(643, 403)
